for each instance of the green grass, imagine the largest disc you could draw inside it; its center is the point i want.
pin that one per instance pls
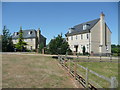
(107, 69)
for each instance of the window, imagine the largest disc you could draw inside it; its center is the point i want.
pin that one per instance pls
(71, 37)
(30, 47)
(81, 36)
(16, 33)
(85, 26)
(76, 37)
(30, 32)
(87, 46)
(25, 39)
(107, 48)
(81, 46)
(87, 36)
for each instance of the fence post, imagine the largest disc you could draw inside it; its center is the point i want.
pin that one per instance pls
(113, 82)
(69, 65)
(59, 58)
(88, 57)
(75, 69)
(100, 57)
(64, 61)
(87, 77)
(110, 57)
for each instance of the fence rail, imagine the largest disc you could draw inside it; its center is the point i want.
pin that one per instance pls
(83, 78)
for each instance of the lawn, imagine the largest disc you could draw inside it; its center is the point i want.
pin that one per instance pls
(30, 71)
(107, 69)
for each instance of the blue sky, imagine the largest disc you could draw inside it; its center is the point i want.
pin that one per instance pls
(55, 18)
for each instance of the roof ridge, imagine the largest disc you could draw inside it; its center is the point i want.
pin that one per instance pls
(29, 29)
(87, 22)
(26, 30)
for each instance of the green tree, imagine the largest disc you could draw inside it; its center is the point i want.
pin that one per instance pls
(115, 49)
(58, 45)
(21, 44)
(41, 46)
(84, 50)
(7, 44)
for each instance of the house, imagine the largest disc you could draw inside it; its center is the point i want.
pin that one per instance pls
(32, 37)
(95, 35)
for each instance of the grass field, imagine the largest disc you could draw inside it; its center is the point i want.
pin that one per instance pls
(29, 71)
(107, 69)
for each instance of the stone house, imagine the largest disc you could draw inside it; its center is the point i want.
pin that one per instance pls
(32, 37)
(95, 35)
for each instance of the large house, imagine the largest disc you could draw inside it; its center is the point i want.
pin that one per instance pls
(95, 35)
(32, 37)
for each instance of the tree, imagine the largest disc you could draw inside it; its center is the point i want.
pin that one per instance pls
(115, 49)
(83, 50)
(21, 44)
(58, 45)
(41, 46)
(7, 44)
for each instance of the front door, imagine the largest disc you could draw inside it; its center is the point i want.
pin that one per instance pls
(76, 48)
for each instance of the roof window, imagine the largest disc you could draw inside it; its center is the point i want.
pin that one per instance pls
(85, 26)
(16, 33)
(30, 32)
(71, 30)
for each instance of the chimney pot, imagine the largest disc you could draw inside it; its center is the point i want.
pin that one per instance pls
(102, 14)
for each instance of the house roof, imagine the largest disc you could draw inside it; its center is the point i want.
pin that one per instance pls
(79, 28)
(43, 37)
(26, 34)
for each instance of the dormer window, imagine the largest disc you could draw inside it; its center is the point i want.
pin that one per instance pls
(30, 32)
(85, 26)
(71, 30)
(16, 33)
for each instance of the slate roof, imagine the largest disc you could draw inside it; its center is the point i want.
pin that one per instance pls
(26, 34)
(79, 28)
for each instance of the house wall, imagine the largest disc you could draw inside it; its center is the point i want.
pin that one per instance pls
(108, 42)
(30, 42)
(43, 40)
(95, 38)
(80, 42)
(15, 41)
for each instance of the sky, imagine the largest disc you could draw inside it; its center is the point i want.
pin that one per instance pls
(54, 18)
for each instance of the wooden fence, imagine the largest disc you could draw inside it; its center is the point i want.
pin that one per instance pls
(74, 69)
(93, 58)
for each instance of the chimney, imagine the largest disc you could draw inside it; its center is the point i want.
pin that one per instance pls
(102, 15)
(102, 27)
(38, 32)
(38, 36)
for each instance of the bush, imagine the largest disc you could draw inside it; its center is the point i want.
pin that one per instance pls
(47, 51)
(58, 45)
(41, 46)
